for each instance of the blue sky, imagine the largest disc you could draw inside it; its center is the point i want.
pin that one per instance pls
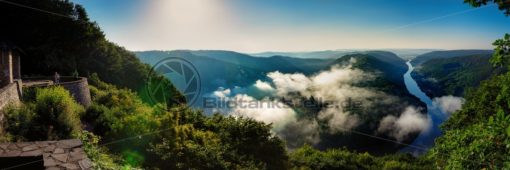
(296, 25)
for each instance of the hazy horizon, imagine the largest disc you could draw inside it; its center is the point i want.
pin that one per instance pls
(290, 26)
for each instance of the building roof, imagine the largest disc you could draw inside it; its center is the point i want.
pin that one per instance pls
(7, 45)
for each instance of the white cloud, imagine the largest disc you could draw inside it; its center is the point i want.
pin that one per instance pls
(221, 93)
(448, 104)
(267, 111)
(410, 121)
(339, 121)
(289, 83)
(282, 117)
(337, 86)
(264, 86)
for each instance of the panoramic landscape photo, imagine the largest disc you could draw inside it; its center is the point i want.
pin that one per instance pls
(254, 84)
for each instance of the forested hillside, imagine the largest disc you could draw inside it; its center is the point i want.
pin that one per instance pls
(229, 69)
(67, 42)
(384, 68)
(446, 54)
(452, 76)
(121, 131)
(478, 136)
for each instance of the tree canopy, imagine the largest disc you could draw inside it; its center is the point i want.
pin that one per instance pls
(64, 40)
(503, 5)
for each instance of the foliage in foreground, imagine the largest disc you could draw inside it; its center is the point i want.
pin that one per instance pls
(478, 136)
(178, 137)
(98, 155)
(308, 158)
(52, 115)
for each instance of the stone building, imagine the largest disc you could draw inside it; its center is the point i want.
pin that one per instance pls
(11, 81)
(10, 77)
(9, 64)
(50, 155)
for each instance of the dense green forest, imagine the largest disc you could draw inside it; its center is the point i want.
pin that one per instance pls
(446, 54)
(453, 76)
(230, 69)
(66, 43)
(120, 130)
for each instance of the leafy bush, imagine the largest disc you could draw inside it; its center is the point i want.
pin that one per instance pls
(56, 107)
(194, 141)
(478, 136)
(118, 114)
(483, 145)
(29, 94)
(98, 155)
(53, 115)
(18, 122)
(308, 158)
(178, 137)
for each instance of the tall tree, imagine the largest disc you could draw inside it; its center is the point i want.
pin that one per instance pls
(59, 36)
(503, 5)
(478, 136)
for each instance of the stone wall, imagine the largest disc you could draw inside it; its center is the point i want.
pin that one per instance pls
(5, 67)
(80, 90)
(9, 94)
(63, 154)
(78, 87)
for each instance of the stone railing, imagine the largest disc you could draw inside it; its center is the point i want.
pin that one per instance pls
(78, 87)
(10, 94)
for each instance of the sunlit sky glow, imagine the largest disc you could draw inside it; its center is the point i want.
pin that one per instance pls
(292, 25)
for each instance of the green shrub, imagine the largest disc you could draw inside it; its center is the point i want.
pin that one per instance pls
(308, 158)
(56, 107)
(194, 141)
(118, 114)
(19, 121)
(53, 115)
(29, 94)
(178, 137)
(481, 145)
(98, 155)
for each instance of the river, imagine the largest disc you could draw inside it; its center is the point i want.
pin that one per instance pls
(426, 138)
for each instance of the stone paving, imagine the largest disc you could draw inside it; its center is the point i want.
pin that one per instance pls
(62, 154)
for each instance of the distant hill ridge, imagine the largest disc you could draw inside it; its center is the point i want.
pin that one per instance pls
(230, 69)
(389, 64)
(453, 75)
(447, 54)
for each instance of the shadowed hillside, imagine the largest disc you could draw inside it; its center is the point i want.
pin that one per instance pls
(446, 54)
(452, 76)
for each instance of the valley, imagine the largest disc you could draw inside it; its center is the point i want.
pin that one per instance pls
(287, 85)
(380, 90)
(426, 138)
(235, 74)
(453, 72)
